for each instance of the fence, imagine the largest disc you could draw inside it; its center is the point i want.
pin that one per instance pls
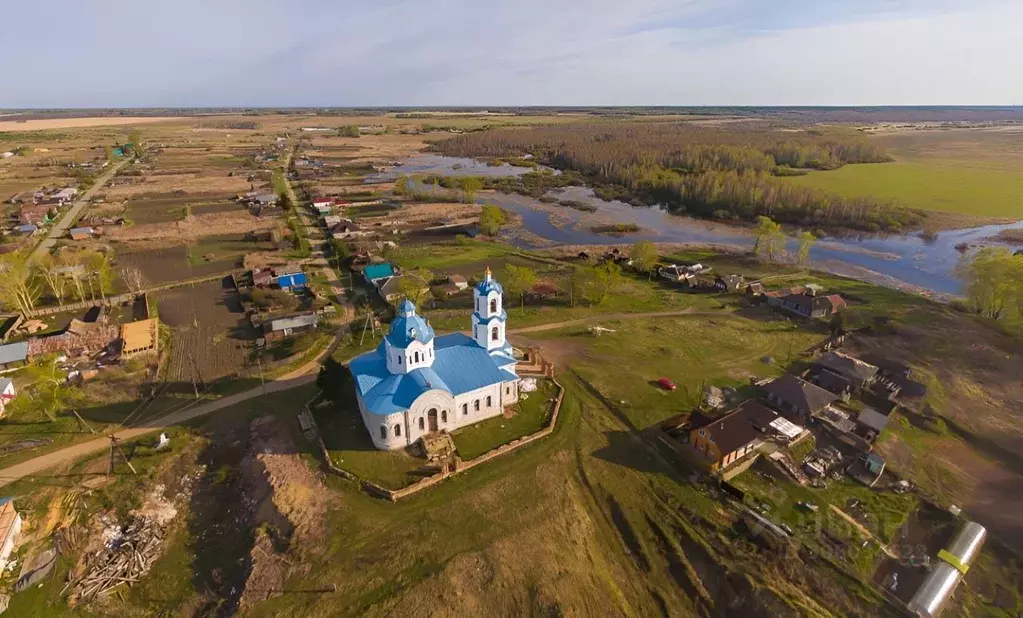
(121, 298)
(309, 427)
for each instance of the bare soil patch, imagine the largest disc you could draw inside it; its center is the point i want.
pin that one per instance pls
(77, 123)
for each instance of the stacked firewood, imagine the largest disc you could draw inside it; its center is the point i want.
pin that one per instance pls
(124, 560)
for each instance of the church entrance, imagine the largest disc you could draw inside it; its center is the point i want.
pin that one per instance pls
(431, 419)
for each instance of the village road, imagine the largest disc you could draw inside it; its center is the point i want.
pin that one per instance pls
(60, 227)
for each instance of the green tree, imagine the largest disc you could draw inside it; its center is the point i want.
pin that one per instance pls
(109, 153)
(470, 186)
(806, 242)
(994, 281)
(45, 388)
(519, 280)
(401, 185)
(644, 256)
(578, 282)
(770, 239)
(414, 285)
(492, 218)
(606, 277)
(50, 270)
(349, 130)
(18, 289)
(100, 271)
(136, 143)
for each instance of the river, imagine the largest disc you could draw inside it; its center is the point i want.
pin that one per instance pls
(906, 261)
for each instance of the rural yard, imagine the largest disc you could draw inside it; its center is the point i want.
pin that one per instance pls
(208, 299)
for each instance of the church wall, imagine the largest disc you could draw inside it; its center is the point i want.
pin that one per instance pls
(374, 422)
(436, 398)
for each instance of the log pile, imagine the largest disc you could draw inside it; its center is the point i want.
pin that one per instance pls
(125, 560)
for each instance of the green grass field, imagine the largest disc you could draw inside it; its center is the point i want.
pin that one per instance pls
(928, 184)
(530, 416)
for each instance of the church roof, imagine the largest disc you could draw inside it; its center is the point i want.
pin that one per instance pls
(408, 327)
(460, 365)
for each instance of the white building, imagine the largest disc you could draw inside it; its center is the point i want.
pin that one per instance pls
(415, 383)
(10, 527)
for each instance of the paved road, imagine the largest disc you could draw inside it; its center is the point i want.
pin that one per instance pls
(61, 227)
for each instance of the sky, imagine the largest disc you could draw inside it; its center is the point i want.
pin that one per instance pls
(127, 53)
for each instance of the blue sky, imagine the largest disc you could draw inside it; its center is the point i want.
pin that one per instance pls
(121, 53)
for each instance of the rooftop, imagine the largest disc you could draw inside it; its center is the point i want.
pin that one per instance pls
(13, 352)
(139, 335)
(378, 271)
(460, 365)
(847, 366)
(734, 429)
(800, 393)
(408, 327)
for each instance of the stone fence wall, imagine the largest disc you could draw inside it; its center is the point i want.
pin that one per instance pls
(311, 431)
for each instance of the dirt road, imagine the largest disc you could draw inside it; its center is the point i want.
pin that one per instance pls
(61, 227)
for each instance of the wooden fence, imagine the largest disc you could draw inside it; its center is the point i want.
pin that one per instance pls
(121, 298)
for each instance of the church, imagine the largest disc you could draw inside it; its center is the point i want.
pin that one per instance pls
(415, 383)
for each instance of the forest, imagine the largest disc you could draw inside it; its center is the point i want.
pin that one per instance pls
(726, 173)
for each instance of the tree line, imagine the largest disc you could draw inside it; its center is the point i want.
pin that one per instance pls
(703, 171)
(68, 276)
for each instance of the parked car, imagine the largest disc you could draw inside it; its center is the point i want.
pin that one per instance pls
(666, 384)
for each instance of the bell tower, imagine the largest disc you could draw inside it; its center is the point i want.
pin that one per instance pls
(489, 316)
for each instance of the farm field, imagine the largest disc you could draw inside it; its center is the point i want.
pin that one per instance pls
(973, 172)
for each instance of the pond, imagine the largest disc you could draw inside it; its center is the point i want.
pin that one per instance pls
(446, 166)
(906, 261)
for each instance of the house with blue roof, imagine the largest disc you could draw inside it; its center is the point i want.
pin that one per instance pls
(416, 383)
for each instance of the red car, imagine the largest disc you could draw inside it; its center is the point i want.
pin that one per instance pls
(666, 384)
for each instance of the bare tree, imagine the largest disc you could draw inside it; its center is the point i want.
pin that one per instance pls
(134, 279)
(17, 288)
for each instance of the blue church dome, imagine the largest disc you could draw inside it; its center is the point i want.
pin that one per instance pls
(408, 327)
(488, 285)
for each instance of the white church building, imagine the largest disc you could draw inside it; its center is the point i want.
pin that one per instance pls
(415, 383)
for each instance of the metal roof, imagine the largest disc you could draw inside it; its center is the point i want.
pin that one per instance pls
(13, 352)
(378, 271)
(409, 327)
(294, 322)
(488, 285)
(459, 366)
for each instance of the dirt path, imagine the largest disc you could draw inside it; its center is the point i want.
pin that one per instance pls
(609, 316)
(62, 226)
(867, 533)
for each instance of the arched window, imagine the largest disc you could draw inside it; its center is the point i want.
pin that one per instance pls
(417, 357)
(507, 390)
(488, 401)
(397, 430)
(465, 409)
(399, 359)
(383, 432)
(476, 405)
(493, 334)
(493, 305)
(422, 425)
(443, 416)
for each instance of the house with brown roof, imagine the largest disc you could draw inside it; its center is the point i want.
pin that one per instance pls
(859, 373)
(724, 440)
(798, 399)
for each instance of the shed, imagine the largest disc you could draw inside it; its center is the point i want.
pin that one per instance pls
(13, 355)
(293, 280)
(286, 327)
(872, 420)
(141, 337)
(28, 228)
(81, 233)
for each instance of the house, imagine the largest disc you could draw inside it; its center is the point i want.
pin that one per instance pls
(322, 202)
(731, 283)
(290, 278)
(65, 195)
(27, 229)
(724, 440)
(774, 296)
(331, 221)
(347, 229)
(7, 393)
(754, 289)
(10, 527)
(859, 373)
(808, 304)
(798, 399)
(376, 272)
(871, 422)
(286, 327)
(831, 381)
(679, 273)
(390, 289)
(140, 338)
(264, 199)
(13, 355)
(34, 214)
(415, 384)
(81, 233)
(262, 277)
(459, 282)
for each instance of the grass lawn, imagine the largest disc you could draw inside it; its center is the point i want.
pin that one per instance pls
(929, 184)
(351, 449)
(530, 416)
(694, 351)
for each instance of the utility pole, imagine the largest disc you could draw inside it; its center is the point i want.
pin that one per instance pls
(115, 448)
